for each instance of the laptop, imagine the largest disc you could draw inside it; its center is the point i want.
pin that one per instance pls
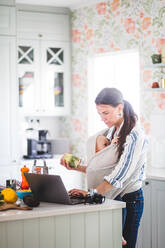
(50, 188)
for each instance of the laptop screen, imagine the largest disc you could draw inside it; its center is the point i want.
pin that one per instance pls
(48, 188)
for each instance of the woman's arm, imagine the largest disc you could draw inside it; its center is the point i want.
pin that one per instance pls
(101, 189)
(104, 187)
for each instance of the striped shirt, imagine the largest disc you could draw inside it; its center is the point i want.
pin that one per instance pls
(129, 172)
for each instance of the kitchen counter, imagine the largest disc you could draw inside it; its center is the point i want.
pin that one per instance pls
(52, 209)
(63, 226)
(155, 173)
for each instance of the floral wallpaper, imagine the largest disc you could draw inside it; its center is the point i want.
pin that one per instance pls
(112, 26)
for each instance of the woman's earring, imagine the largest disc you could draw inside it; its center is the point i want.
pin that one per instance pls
(119, 114)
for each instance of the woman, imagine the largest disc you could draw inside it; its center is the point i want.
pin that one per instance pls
(125, 181)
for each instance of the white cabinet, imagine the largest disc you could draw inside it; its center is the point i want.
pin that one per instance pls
(158, 216)
(152, 226)
(7, 20)
(8, 127)
(44, 77)
(62, 226)
(35, 24)
(44, 64)
(9, 154)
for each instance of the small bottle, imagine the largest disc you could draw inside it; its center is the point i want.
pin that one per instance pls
(38, 170)
(24, 184)
(34, 166)
(162, 84)
(45, 168)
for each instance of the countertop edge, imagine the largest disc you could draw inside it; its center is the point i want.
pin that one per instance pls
(48, 209)
(155, 173)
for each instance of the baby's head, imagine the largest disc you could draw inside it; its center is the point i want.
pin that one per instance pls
(101, 143)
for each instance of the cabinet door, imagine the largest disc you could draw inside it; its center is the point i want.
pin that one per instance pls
(146, 222)
(28, 76)
(35, 24)
(7, 20)
(8, 128)
(158, 216)
(55, 96)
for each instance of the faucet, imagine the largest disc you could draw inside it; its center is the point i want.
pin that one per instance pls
(45, 168)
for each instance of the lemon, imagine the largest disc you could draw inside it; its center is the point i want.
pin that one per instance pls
(9, 195)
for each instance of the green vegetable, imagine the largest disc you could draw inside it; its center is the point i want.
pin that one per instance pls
(72, 160)
(1, 199)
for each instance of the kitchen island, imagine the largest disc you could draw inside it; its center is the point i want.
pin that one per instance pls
(63, 226)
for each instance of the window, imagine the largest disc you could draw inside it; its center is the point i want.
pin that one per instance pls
(117, 69)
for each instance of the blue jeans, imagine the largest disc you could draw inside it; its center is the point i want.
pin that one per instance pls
(131, 216)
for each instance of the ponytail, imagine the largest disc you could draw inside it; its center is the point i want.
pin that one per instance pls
(130, 119)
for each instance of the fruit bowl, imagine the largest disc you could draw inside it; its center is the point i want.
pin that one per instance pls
(21, 193)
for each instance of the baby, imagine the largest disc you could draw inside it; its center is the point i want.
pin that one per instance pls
(101, 143)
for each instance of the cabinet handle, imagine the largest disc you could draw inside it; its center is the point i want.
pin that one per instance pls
(40, 35)
(14, 161)
(146, 183)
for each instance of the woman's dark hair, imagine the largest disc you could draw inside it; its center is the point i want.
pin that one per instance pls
(113, 97)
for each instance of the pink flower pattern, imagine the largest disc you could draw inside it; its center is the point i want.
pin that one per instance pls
(147, 74)
(76, 80)
(160, 98)
(159, 44)
(101, 8)
(129, 25)
(76, 36)
(77, 125)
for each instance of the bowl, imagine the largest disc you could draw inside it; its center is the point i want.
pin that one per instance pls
(21, 194)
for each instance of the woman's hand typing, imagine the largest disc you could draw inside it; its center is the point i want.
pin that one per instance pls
(78, 192)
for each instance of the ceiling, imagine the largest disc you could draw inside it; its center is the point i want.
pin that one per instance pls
(72, 4)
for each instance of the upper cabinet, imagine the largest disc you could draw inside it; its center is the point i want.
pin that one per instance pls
(44, 77)
(7, 20)
(35, 25)
(44, 63)
(9, 150)
(8, 123)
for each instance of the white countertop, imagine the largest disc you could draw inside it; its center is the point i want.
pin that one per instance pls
(52, 209)
(155, 173)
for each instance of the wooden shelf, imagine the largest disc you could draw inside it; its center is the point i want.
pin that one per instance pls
(154, 89)
(158, 65)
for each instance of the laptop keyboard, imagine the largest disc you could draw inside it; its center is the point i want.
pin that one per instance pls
(77, 199)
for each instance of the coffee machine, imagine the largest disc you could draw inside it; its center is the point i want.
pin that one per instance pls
(40, 148)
